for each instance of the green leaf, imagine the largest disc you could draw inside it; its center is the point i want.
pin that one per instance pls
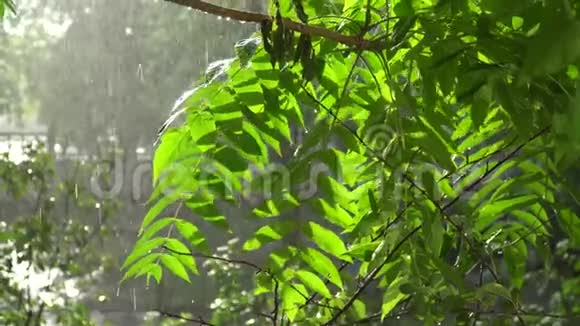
(175, 266)
(326, 240)
(428, 181)
(516, 257)
(450, 273)
(182, 253)
(246, 142)
(495, 289)
(141, 249)
(554, 47)
(152, 270)
(157, 226)
(209, 213)
(140, 265)
(193, 235)
(334, 214)
(156, 272)
(10, 4)
(267, 234)
(392, 297)
(494, 210)
(322, 265)
(360, 309)
(480, 106)
(204, 125)
(293, 296)
(434, 234)
(363, 251)
(231, 159)
(312, 281)
(157, 209)
(175, 144)
(570, 224)
(372, 201)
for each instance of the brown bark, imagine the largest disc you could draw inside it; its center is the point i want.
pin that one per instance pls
(247, 16)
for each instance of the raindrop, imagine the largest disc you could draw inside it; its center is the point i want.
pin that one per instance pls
(99, 213)
(398, 317)
(128, 31)
(134, 299)
(29, 171)
(118, 290)
(140, 73)
(228, 19)
(76, 191)
(109, 88)
(206, 53)
(219, 17)
(52, 199)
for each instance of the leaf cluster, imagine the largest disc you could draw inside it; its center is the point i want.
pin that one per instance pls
(443, 154)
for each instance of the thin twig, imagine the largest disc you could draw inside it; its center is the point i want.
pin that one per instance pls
(276, 303)
(313, 296)
(232, 261)
(371, 277)
(198, 321)
(480, 159)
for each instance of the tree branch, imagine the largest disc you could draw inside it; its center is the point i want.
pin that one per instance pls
(226, 260)
(198, 321)
(254, 17)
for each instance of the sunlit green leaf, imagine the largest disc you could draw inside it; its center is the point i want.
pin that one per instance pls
(142, 249)
(175, 266)
(312, 281)
(322, 265)
(392, 297)
(325, 239)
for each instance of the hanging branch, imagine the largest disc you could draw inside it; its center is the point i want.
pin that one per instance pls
(254, 17)
(199, 321)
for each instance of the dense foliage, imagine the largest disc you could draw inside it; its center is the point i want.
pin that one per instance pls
(445, 144)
